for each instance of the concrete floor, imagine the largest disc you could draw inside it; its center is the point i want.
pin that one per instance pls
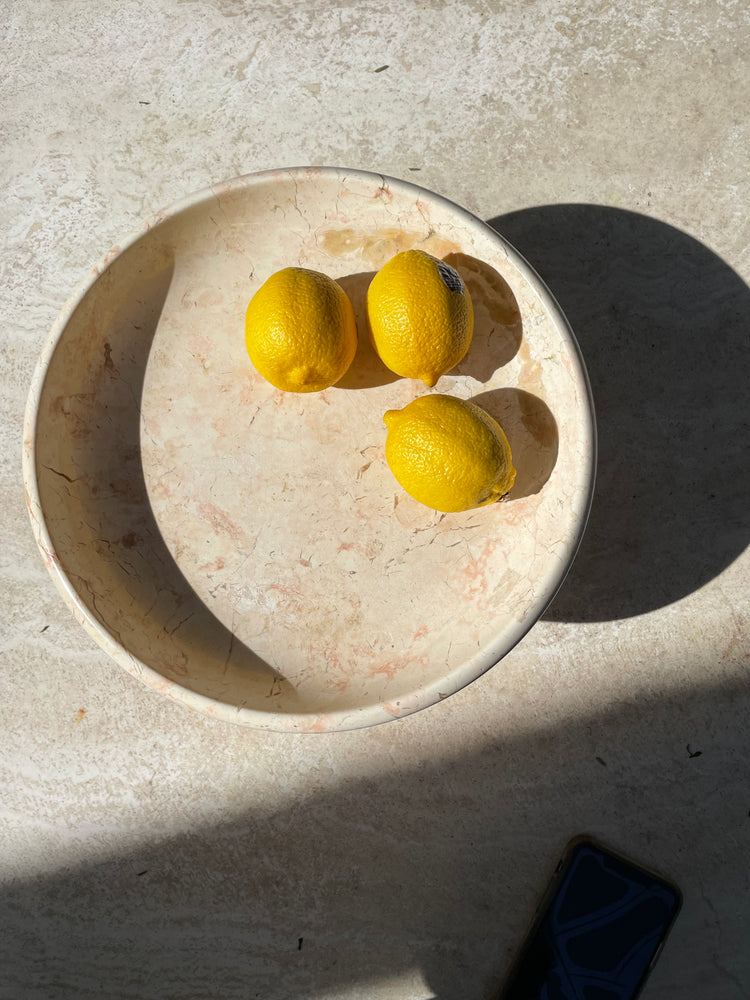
(151, 852)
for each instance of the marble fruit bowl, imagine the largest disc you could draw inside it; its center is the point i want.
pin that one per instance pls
(247, 551)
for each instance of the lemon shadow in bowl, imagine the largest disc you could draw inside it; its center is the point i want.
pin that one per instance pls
(532, 434)
(498, 327)
(366, 370)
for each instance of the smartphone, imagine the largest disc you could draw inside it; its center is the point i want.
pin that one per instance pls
(598, 932)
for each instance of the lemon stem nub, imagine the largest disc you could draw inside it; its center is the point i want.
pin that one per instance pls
(419, 315)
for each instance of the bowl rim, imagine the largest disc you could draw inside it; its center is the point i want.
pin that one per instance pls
(338, 719)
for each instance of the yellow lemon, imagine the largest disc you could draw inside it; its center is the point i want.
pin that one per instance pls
(449, 454)
(420, 316)
(300, 330)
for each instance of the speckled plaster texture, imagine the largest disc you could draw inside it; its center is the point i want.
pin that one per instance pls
(151, 851)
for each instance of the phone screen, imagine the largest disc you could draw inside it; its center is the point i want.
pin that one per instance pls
(600, 929)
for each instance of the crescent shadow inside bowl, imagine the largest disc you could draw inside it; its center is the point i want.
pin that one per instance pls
(96, 505)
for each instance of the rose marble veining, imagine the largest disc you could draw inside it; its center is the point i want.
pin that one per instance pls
(247, 550)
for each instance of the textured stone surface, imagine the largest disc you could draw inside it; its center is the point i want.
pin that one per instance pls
(227, 541)
(148, 851)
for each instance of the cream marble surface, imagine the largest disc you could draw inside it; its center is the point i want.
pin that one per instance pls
(149, 851)
(247, 551)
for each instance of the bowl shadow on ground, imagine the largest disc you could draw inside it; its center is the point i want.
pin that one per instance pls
(532, 434)
(663, 327)
(433, 869)
(497, 325)
(100, 517)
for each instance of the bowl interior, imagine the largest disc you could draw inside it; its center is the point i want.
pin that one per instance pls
(247, 550)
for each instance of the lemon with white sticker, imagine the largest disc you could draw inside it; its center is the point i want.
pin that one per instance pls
(420, 316)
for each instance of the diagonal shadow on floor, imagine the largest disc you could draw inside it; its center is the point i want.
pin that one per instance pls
(430, 871)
